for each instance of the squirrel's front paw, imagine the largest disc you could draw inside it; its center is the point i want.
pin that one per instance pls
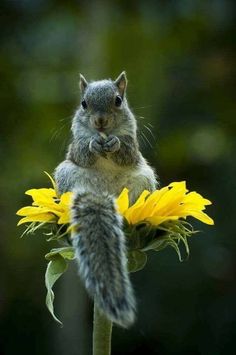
(112, 144)
(96, 145)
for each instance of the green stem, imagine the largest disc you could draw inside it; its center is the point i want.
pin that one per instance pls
(102, 329)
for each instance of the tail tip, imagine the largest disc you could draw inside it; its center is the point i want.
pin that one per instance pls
(122, 314)
(126, 320)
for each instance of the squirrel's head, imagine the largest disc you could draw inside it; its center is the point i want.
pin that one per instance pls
(103, 104)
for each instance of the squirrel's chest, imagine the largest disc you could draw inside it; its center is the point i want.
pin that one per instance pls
(107, 174)
(107, 166)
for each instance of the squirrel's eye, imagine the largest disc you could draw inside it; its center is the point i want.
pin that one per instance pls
(84, 104)
(118, 101)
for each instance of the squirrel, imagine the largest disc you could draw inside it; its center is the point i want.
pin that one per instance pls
(102, 159)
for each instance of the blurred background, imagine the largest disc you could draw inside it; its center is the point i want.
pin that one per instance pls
(179, 58)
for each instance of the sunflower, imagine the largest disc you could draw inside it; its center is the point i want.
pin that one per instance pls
(156, 220)
(46, 207)
(169, 203)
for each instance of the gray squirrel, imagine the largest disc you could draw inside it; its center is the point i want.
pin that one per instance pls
(102, 159)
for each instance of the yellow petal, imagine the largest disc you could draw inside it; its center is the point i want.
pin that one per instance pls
(156, 220)
(196, 198)
(130, 212)
(39, 193)
(28, 211)
(146, 210)
(46, 198)
(65, 203)
(171, 199)
(203, 217)
(42, 217)
(191, 202)
(65, 218)
(169, 203)
(122, 201)
(66, 199)
(43, 197)
(178, 184)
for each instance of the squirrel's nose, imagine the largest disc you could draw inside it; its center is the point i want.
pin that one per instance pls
(101, 121)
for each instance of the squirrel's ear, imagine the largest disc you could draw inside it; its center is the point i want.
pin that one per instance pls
(82, 83)
(121, 83)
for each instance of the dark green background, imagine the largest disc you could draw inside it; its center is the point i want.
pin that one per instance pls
(179, 58)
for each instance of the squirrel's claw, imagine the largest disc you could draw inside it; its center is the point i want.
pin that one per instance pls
(96, 145)
(112, 144)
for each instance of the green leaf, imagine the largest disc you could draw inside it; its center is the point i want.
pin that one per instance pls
(141, 235)
(174, 245)
(156, 244)
(136, 260)
(56, 267)
(66, 252)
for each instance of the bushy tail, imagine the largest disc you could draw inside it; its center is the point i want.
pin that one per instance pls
(101, 252)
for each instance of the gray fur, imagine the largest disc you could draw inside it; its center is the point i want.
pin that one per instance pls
(100, 246)
(80, 153)
(102, 159)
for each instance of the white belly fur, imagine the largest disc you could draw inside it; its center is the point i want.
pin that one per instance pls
(106, 176)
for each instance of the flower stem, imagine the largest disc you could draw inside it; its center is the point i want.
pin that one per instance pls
(102, 329)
